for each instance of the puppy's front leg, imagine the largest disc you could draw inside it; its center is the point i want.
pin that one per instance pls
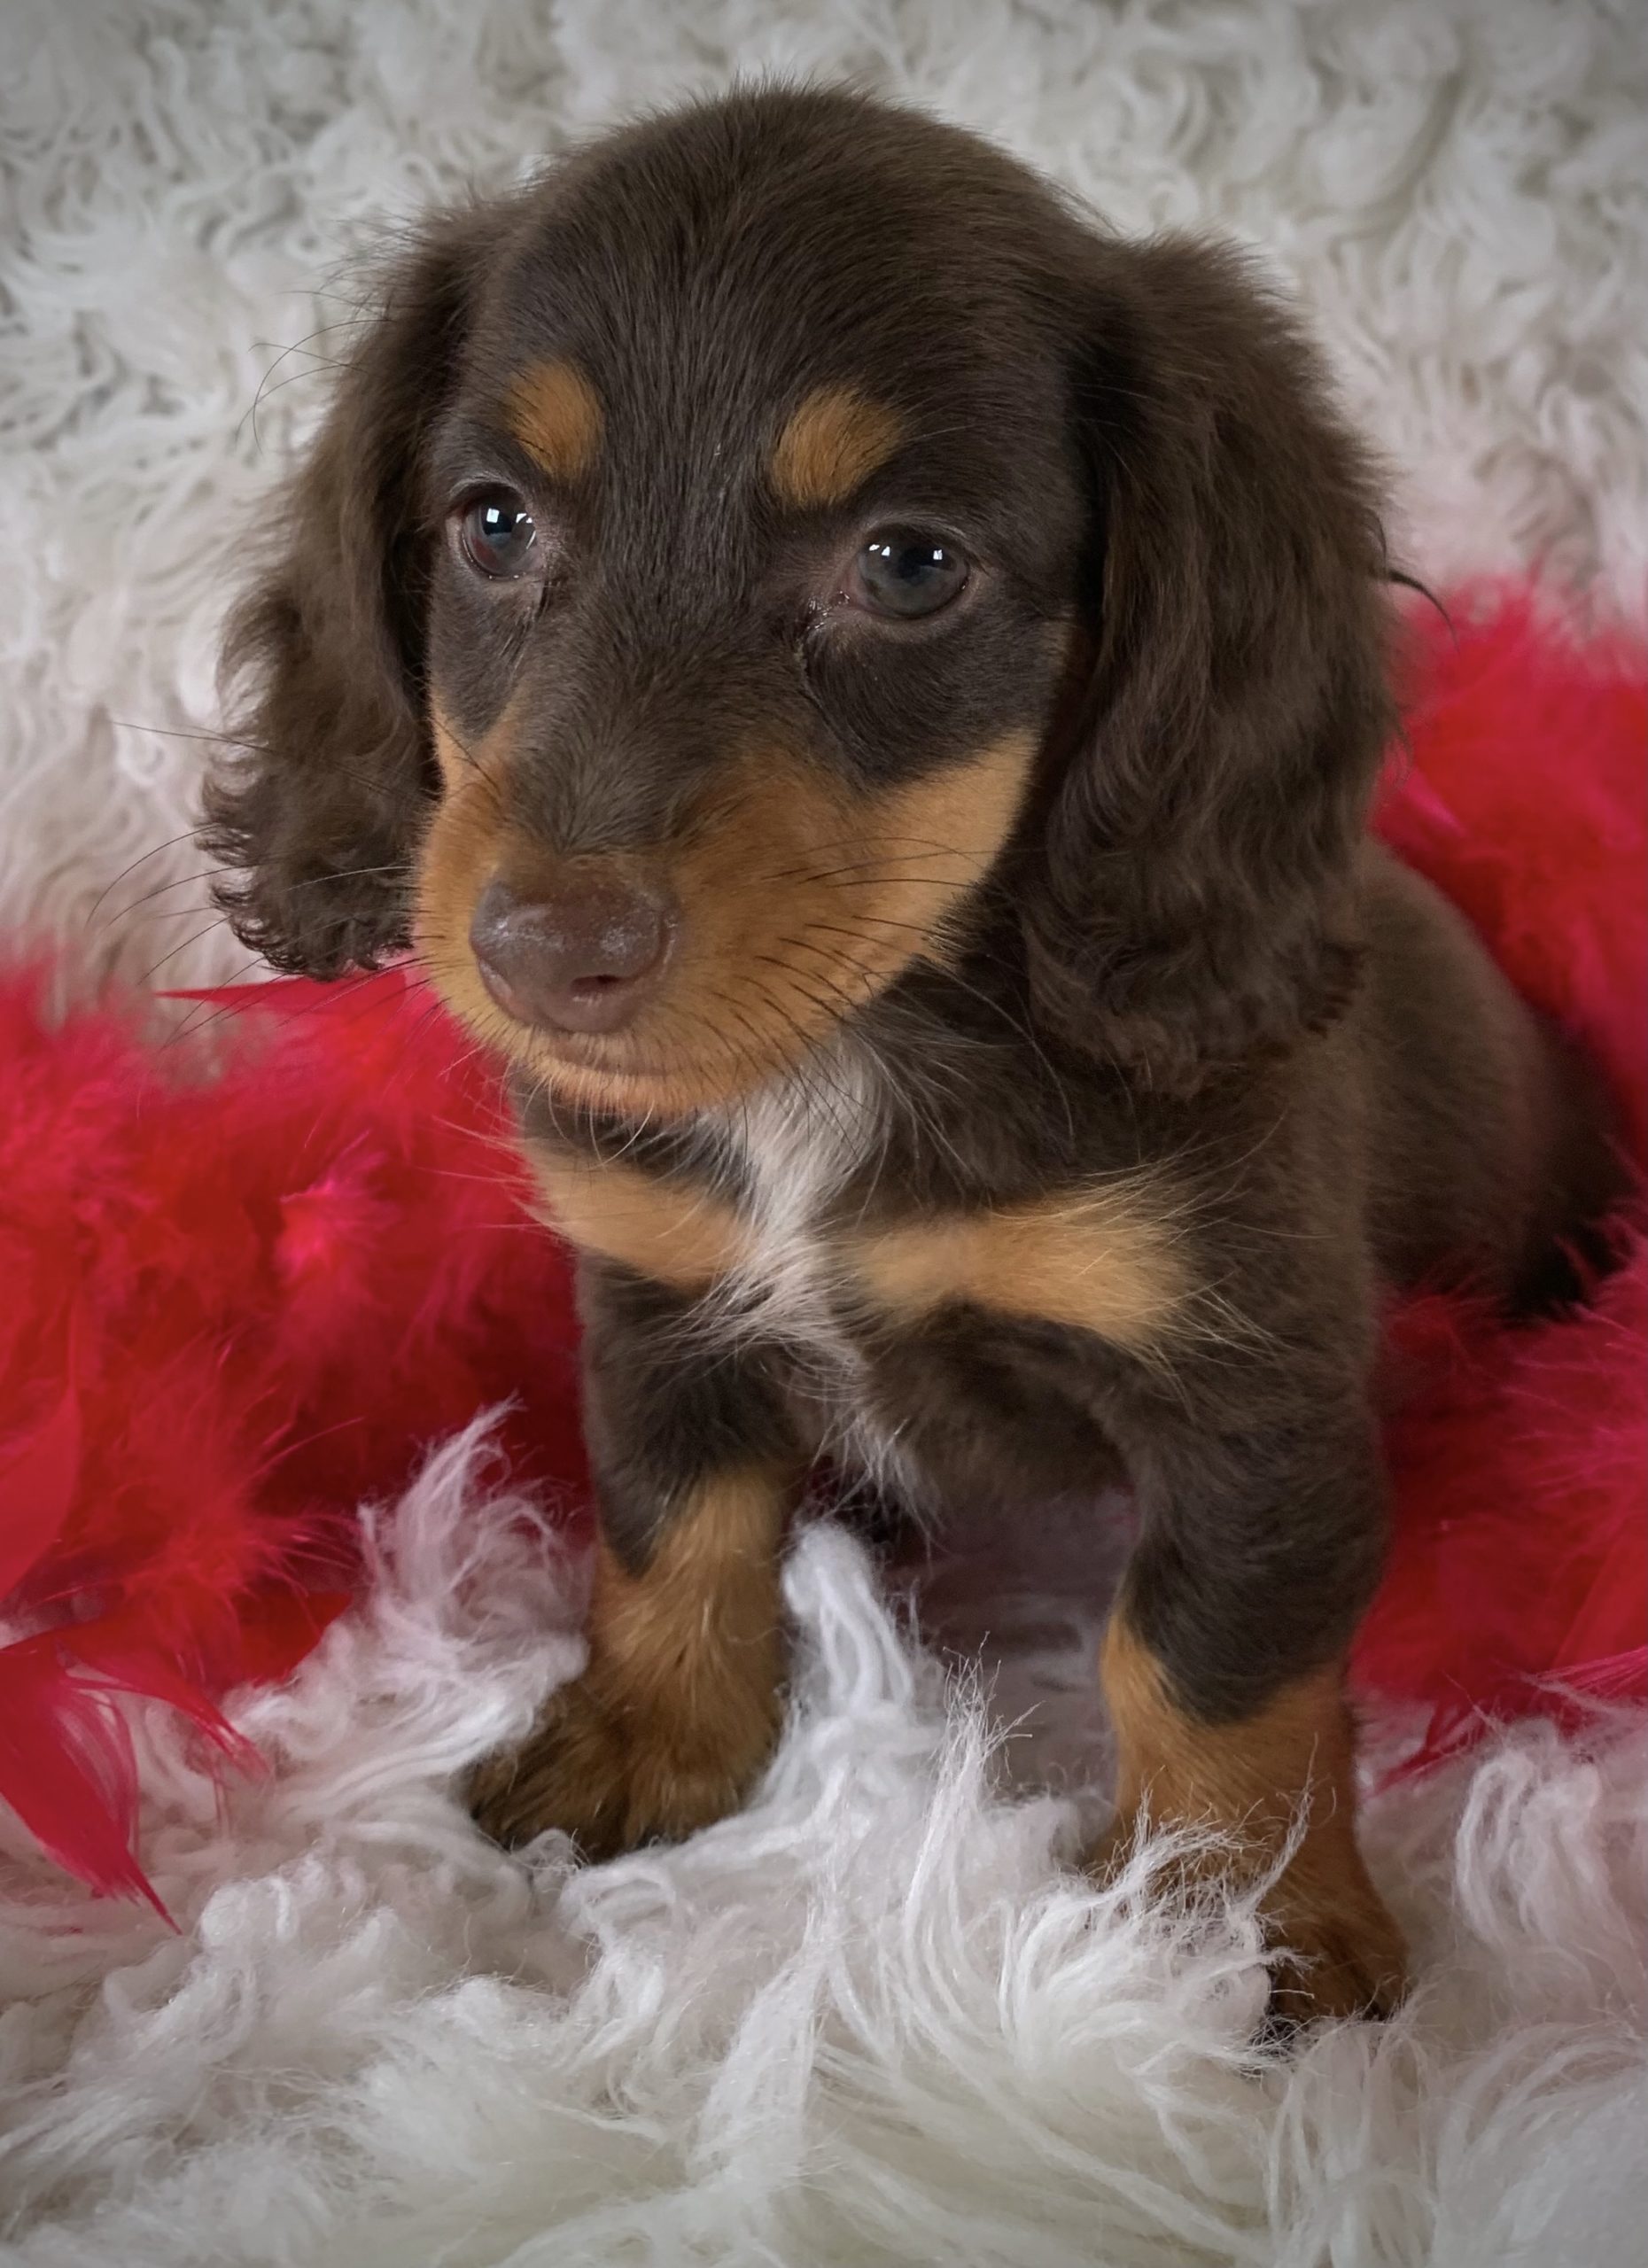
(696, 1472)
(1223, 1670)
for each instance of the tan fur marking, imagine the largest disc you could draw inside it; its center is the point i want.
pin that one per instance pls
(556, 414)
(681, 1237)
(802, 900)
(1250, 1780)
(1101, 1260)
(448, 753)
(459, 856)
(831, 446)
(679, 1706)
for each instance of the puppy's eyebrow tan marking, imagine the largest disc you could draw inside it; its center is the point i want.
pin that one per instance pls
(556, 414)
(831, 446)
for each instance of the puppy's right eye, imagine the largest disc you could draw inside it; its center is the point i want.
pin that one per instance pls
(903, 572)
(497, 536)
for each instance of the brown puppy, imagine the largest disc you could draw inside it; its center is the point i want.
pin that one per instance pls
(867, 691)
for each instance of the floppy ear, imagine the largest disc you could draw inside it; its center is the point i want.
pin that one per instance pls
(321, 808)
(1194, 898)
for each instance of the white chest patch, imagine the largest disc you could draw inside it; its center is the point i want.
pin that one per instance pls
(793, 1145)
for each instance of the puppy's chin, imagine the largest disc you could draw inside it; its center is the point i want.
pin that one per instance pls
(653, 1071)
(614, 1082)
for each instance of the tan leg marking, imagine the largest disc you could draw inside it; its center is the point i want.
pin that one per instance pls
(1103, 1260)
(684, 1238)
(556, 414)
(831, 446)
(1342, 1953)
(678, 1709)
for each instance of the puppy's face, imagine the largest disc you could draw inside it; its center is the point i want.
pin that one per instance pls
(757, 530)
(778, 540)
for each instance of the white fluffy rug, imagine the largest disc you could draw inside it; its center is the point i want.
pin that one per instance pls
(871, 2021)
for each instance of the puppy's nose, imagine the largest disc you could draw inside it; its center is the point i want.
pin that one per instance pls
(583, 959)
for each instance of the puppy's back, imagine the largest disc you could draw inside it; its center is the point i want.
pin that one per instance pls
(1492, 1155)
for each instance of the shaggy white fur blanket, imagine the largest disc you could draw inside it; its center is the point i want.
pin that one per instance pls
(870, 2021)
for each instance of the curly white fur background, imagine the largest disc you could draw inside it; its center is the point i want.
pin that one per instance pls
(868, 2022)
(871, 2022)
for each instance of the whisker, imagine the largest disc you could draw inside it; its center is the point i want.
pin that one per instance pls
(882, 861)
(177, 732)
(328, 996)
(141, 858)
(310, 881)
(193, 1024)
(322, 363)
(495, 788)
(219, 923)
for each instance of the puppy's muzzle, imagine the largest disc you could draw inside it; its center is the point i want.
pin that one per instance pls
(585, 956)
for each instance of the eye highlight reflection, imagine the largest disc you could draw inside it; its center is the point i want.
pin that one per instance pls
(496, 536)
(906, 572)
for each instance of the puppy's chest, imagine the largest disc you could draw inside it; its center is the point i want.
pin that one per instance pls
(787, 1219)
(745, 1216)
(791, 1156)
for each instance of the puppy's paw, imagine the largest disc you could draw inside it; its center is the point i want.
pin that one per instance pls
(614, 1776)
(1336, 1951)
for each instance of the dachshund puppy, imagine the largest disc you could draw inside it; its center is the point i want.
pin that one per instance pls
(867, 692)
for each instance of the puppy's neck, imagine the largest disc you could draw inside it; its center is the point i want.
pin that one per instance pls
(790, 1145)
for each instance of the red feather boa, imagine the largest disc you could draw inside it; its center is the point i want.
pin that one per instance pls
(240, 1302)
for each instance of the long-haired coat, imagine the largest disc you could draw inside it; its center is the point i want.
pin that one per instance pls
(866, 691)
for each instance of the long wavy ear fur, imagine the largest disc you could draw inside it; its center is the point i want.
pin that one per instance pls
(1197, 854)
(319, 813)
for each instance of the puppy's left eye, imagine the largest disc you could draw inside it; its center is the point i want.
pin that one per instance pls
(497, 535)
(901, 572)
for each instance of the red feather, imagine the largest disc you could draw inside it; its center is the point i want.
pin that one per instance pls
(38, 1479)
(241, 1300)
(239, 1304)
(1520, 1457)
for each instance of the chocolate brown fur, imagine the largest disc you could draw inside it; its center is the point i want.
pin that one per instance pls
(1049, 1072)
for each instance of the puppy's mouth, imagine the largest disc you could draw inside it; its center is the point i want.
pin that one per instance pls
(640, 1013)
(676, 979)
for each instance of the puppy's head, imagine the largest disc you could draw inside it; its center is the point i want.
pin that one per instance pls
(785, 544)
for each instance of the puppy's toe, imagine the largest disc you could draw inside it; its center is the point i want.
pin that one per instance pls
(613, 1775)
(1336, 1950)
(1334, 1958)
(568, 1773)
